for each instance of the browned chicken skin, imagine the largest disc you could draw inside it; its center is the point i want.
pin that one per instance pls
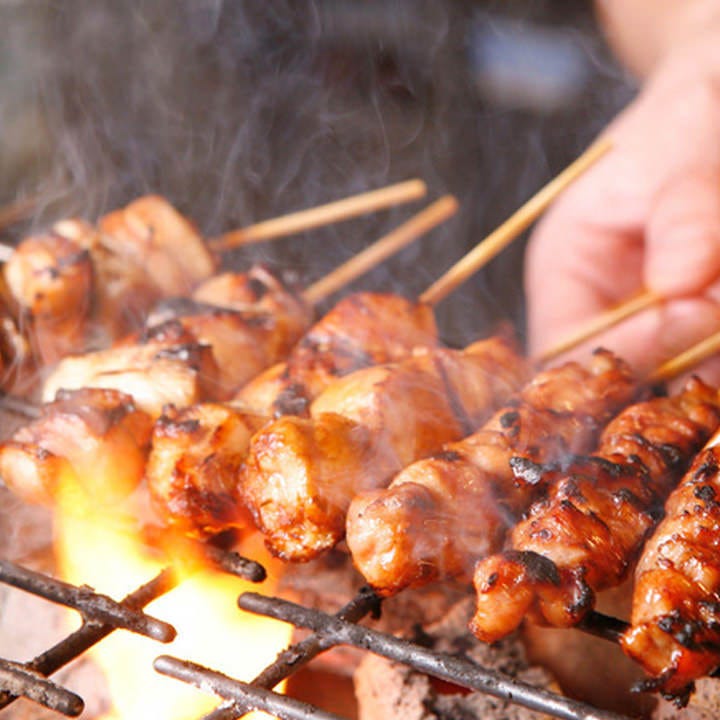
(441, 513)
(675, 629)
(584, 536)
(193, 471)
(90, 441)
(363, 329)
(301, 474)
(168, 366)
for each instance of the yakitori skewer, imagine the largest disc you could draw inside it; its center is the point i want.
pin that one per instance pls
(686, 361)
(337, 211)
(513, 226)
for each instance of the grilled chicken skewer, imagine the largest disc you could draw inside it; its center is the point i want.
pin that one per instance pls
(89, 444)
(301, 473)
(584, 536)
(440, 514)
(676, 601)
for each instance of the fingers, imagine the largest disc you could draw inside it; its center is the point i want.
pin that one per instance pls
(656, 335)
(573, 272)
(683, 234)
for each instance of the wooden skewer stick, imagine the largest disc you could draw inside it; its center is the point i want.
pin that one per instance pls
(17, 211)
(344, 209)
(379, 251)
(687, 360)
(512, 227)
(602, 322)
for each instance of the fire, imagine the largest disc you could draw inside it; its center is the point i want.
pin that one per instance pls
(103, 549)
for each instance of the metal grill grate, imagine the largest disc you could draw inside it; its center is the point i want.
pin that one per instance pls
(102, 615)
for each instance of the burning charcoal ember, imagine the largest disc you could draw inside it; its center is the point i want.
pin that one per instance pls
(88, 444)
(584, 536)
(363, 329)
(301, 474)
(442, 513)
(194, 466)
(390, 689)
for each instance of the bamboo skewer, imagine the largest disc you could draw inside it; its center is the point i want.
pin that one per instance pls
(391, 243)
(604, 321)
(337, 211)
(513, 226)
(688, 359)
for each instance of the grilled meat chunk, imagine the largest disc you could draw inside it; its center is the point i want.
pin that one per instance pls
(167, 367)
(584, 536)
(193, 471)
(675, 629)
(376, 420)
(361, 330)
(90, 441)
(440, 514)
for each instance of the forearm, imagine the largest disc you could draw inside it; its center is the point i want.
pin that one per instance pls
(644, 32)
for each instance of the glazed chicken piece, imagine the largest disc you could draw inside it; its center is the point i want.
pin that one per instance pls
(301, 473)
(168, 366)
(150, 234)
(363, 329)
(584, 536)
(49, 279)
(88, 443)
(675, 629)
(253, 323)
(193, 472)
(440, 514)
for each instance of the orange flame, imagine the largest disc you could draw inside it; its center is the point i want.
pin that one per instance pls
(103, 549)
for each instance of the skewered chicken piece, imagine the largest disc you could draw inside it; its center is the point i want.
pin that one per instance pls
(167, 366)
(78, 280)
(675, 629)
(250, 320)
(89, 443)
(49, 278)
(441, 513)
(301, 474)
(583, 537)
(363, 329)
(194, 466)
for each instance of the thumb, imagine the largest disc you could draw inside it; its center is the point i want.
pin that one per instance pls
(683, 234)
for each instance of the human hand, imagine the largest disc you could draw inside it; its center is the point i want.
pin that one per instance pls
(645, 217)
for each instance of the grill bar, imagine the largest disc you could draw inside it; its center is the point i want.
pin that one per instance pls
(441, 665)
(92, 605)
(21, 680)
(300, 654)
(254, 698)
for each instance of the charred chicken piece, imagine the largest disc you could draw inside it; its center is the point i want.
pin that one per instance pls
(89, 444)
(584, 536)
(361, 330)
(254, 323)
(193, 471)
(675, 629)
(440, 514)
(301, 474)
(50, 278)
(167, 367)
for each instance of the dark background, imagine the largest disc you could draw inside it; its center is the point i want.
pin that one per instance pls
(239, 111)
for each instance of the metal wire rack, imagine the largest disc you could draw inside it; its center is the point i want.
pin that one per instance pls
(102, 616)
